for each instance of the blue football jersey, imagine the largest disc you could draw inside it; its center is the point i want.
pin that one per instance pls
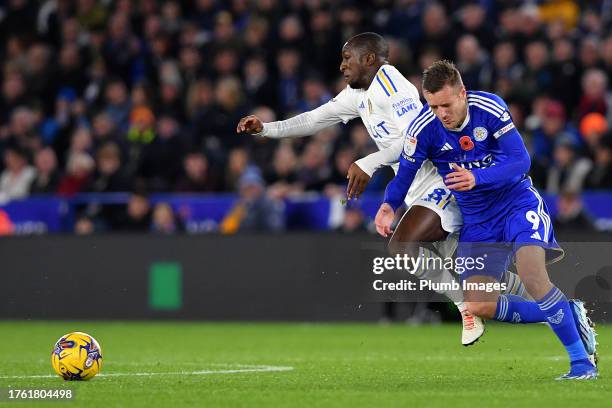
(475, 146)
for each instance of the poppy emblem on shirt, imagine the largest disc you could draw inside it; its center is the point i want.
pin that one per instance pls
(466, 143)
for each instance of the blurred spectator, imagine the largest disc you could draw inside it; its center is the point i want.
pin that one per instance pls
(473, 21)
(593, 127)
(136, 217)
(160, 160)
(565, 71)
(354, 220)
(537, 77)
(79, 169)
(589, 53)
(170, 102)
(104, 129)
(200, 100)
(141, 133)
(81, 141)
(47, 173)
(595, 96)
(227, 110)
(109, 176)
(343, 159)
(436, 32)
(324, 43)
(237, 162)
(291, 32)
(164, 221)
(314, 170)
(282, 175)
(505, 64)
(601, 172)
(571, 214)
(472, 62)
(117, 103)
(288, 62)
(606, 55)
(569, 170)
(197, 177)
(258, 84)
(553, 128)
(314, 94)
(13, 94)
(254, 210)
(38, 70)
(70, 72)
(120, 47)
(15, 180)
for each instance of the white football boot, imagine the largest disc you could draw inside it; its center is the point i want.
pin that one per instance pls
(473, 327)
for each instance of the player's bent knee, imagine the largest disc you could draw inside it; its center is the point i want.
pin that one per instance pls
(409, 248)
(485, 310)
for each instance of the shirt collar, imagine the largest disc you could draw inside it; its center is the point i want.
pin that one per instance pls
(465, 122)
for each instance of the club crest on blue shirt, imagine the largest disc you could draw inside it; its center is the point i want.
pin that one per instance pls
(480, 134)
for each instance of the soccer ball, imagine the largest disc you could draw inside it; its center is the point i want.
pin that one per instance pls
(76, 356)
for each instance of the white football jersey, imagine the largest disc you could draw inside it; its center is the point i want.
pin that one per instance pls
(386, 108)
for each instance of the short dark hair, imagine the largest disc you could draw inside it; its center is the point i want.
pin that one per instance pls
(370, 42)
(439, 74)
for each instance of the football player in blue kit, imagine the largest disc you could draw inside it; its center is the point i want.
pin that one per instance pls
(471, 139)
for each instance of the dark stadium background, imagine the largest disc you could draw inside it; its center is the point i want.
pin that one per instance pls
(119, 117)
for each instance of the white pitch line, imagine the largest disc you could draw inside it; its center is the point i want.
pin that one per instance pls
(253, 369)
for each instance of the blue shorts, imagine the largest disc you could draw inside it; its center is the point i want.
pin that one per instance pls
(523, 221)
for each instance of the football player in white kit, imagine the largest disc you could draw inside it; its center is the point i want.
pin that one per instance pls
(387, 103)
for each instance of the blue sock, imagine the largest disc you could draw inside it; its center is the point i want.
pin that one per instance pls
(515, 309)
(557, 310)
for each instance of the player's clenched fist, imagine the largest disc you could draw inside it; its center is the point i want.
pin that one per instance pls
(249, 124)
(384, 219)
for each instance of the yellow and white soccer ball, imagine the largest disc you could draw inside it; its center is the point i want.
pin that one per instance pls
(77, 356)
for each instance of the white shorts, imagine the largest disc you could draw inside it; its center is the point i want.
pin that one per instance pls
(428, 190)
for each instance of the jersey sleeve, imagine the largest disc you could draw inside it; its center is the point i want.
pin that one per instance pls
(515, 158)
(384, 157)
(497, 112)
(342, 108)
(414, 153)
(516, 161)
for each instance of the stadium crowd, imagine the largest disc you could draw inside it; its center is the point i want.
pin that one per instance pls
(106, 96)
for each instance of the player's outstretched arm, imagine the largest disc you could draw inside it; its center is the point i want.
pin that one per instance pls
(340, 109)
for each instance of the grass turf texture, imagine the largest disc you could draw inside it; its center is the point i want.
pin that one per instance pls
(334, 365)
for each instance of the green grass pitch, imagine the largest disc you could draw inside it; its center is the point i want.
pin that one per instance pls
(170, 364)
